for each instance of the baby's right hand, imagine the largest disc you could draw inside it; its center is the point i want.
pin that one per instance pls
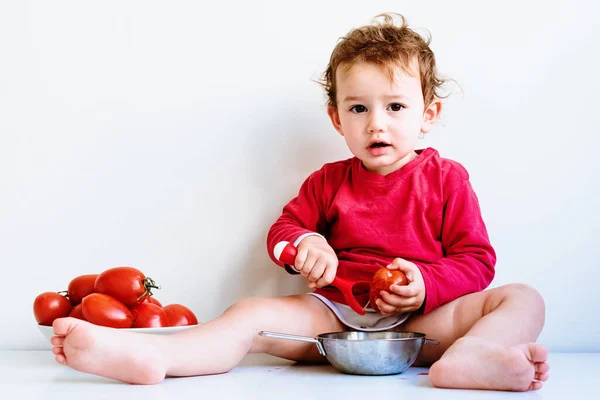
(316, 261)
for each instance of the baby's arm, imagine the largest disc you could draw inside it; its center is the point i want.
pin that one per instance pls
(468, 265)
(300, 218)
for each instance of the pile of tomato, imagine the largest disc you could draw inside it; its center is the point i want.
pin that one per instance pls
(119, 297)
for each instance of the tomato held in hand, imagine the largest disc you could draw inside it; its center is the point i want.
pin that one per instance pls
(101, 309)
(180, 315)
(148, 315)
(80, 287)
(382, 280)
(50, 305)
(77, 312)
(126, 284)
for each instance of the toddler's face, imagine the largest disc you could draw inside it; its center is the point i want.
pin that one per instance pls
(380, 119)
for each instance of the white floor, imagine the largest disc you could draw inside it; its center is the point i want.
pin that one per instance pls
(35, 375)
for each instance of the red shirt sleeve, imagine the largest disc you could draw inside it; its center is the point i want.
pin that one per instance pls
(301, 215)
(469, 259)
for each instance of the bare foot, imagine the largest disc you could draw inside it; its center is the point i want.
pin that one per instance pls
(476, 363)
(125, 356)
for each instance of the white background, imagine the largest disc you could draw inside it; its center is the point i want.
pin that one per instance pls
(169, 135)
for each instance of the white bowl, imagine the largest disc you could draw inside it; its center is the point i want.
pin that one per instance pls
(48, 332)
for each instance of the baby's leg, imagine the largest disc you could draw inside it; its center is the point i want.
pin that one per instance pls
(211, 348)
(487, 340)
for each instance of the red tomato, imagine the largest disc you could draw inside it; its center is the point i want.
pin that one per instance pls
(126, 284)
(50, 305)
(80, 287)
(152, 300)
(382, 280)
(101, 309)
(180, 315)
(148, 315)
(77, 312)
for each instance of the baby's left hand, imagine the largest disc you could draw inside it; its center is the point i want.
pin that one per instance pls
(403, 298)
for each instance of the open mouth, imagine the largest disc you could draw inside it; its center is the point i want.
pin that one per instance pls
(378, 145)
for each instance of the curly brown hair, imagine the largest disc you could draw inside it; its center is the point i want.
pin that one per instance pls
(387, 45)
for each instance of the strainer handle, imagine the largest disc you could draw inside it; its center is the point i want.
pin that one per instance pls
(431, 341)
(295, 337)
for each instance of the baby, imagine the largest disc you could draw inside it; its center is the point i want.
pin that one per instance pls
(391, 205)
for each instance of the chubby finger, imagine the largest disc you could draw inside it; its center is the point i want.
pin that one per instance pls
(317, 270)
(405, 266)
(400, 263)
(405, 290)
(404, 305)
(397, 265)
(392, 299)
(300, 259)
(385, 308)
(327, 277)
(307, 266)
(393, 265)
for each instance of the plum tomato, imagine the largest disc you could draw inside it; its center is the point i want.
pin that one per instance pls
(80, 287)
(77, 312)
(50, 305)
(149, 315)
(152, 300)
(180, 315)
(126, 284)
(101, 309)
(382, 280)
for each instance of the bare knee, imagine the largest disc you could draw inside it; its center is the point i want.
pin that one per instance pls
(527, 294)
(520, 294)
(250, 311)
(248, 317)
(301, 315)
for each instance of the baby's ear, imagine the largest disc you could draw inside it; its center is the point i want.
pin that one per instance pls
(334, 115)
(431, 115)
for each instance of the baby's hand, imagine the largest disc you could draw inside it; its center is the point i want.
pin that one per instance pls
(403, 298)
(316, 261)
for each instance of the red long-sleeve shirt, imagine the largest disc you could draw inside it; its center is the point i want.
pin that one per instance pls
(426, 212)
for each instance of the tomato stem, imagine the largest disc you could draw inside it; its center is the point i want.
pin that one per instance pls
(149, 284)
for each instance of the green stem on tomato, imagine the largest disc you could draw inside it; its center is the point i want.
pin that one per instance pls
(149, 284)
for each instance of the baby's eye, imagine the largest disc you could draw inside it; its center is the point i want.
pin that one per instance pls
(396, 107)
(358, 109)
